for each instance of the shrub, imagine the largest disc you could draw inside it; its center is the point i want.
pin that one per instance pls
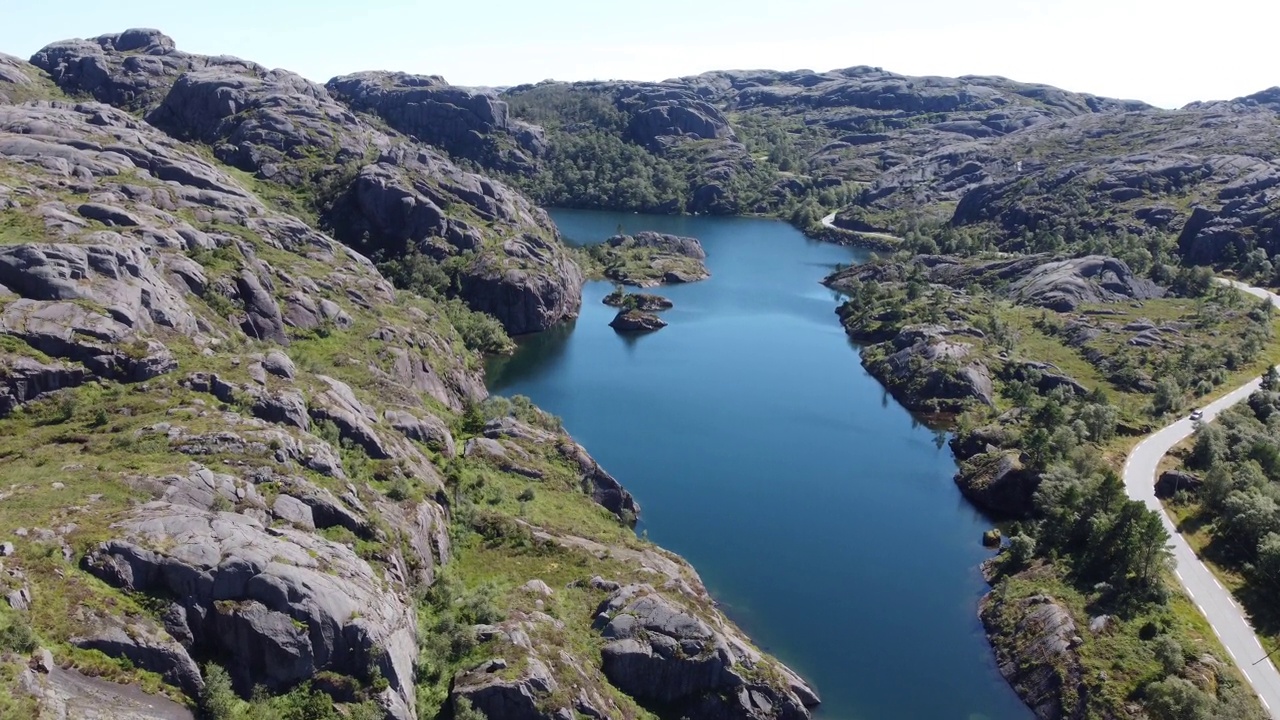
(1176, 699)
(17, 636)
(463, 710)
(1022, 548)
(220, 304)
(480, 331)
(1168, 653)
(326, 430)
(217, 701)
(400, 490)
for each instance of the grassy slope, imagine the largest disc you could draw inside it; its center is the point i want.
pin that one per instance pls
(69, 461)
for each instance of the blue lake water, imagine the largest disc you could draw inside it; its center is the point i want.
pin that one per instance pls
(817, 510)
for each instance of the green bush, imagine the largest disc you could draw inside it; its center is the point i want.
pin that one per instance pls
(463, 710)
(401, 489)
(480, 332)
(218, 701)
(17, 636)
(326, 430)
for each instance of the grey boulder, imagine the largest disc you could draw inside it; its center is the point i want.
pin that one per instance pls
(282, 604)
(659, 651)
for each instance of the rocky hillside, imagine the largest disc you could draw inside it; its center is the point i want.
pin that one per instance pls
(994, 162)
(770, 142)
(246, 476)
(306, 152)
(1030, 168)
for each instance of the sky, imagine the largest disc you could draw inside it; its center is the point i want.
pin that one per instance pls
(1165, 53)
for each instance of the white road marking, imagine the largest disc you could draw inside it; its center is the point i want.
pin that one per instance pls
(1140, 471)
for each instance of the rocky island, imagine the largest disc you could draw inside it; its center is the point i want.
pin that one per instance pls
(245, 472)
(627, 321)
(648, 259)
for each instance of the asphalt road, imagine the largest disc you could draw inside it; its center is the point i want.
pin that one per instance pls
(830, 221)
(1226, 617)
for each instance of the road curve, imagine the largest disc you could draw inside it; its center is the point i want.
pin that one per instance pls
(829, 221)
(1215, 602)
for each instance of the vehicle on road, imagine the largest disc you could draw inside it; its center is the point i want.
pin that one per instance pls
(1197, 414)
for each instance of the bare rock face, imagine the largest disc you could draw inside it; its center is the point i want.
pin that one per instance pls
(998, 483)
(660, 652)
(1172, 482)
(497, 696)
(24, 379)
(147, 646)
(131, 70)
(464, 123)
(525, 278)
(283, 605)
(522, 300)
(659, 114)
(1035, 640)
(603, 487)
(354, 419)
(123, 280)
(263, 319)
(378, 191)
(66, 694)
(108, 298)
(1064, 284)
(529, 679)
(428, 430)
(426, 530)
(17, 82)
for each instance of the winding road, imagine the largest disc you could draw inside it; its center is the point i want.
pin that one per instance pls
(1215, 602)
(830, 222)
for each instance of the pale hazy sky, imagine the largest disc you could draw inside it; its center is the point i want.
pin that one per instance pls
(1166, 53)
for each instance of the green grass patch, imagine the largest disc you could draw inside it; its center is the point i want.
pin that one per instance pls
(18, 227)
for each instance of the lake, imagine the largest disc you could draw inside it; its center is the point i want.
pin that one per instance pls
(818, 512)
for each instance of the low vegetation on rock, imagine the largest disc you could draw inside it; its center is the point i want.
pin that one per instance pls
(649, 259)
(247, 476)
(637, 301)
